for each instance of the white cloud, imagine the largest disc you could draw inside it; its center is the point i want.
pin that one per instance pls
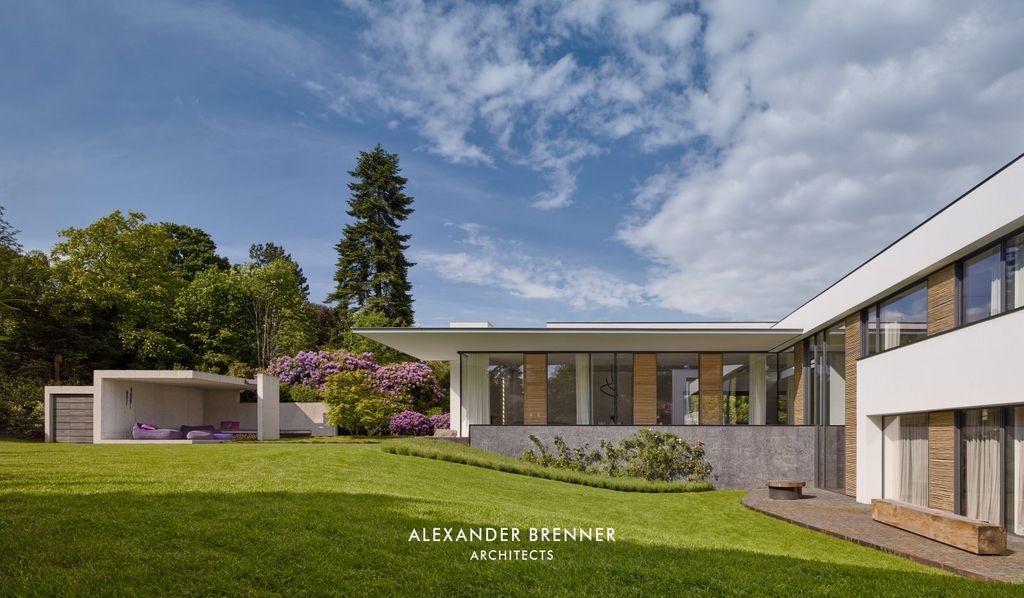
(487, 261)
(835, 129)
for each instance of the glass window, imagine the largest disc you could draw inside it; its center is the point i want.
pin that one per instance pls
(745, 388)
(611, 388)
(980, 289)
(678, 387)
(979, 464)
(561, 388)
(772, 398)
(871, 332)
(786, 385)
(505, 375)
(835, 374)
(1015, 272)
(903, 319)
(905, 458)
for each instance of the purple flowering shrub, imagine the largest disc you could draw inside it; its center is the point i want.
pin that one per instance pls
(411, 423)
(442, 421)
(406, 382)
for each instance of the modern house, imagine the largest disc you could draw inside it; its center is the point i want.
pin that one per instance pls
(897, 381)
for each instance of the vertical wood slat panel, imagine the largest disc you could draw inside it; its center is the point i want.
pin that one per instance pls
(942, 300)
(710, 388)
(798, 382)
(535, 401)
(853, 352)
(645, 389)
(941, 469)
(72, 418)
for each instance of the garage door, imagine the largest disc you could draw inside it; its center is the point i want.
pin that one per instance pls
(72, 418)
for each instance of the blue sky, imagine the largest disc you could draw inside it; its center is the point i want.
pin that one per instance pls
(580, 160)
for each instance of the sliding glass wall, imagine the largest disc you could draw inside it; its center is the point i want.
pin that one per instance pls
(612, 388)
(1015, 272)
(568, 388)
(492, 388)
(905, 458)
(678, 402)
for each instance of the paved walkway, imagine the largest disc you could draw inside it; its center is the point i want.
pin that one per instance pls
(843, 517)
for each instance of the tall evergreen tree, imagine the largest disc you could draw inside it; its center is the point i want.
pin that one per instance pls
(264, 254)
(373, 273)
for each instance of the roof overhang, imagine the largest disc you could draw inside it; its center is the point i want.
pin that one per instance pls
(190, 378)
(445, 344)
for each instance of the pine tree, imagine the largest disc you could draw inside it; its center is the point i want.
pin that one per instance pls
(373, 273)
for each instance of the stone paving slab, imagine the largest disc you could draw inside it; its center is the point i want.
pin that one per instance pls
(841, 516)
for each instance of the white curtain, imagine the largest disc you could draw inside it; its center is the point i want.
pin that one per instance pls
(1017, 276)
(996, 299)
(906, 458)
(758, 388)
(890, 335)
(980, 434)
(582, 388)
(476, 400)
(914, 459)
(1017, 503)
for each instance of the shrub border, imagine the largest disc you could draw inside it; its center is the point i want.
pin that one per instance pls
(557, 475)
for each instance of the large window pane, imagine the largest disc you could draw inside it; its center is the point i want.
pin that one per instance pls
(678, 385)
(787, 384)
(904, 318)
(744, 388)
(612, 388)
(835, 374)
(772, 399)
(568, 388)
(905, 460)
(871, 334)
(980, 291)
(980, 447)
(505, 374)
(1015, 272)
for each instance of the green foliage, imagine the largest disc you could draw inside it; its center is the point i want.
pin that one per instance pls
(21, 407)
(8, 234)
(457, 453)
(211, 313)
(355, 404)
(264, 254)
(121, 267)
(653, 456)
(372, 268)
(299, 393)
(193, 250)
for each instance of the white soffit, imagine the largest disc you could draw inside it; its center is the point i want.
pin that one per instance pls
(444, 344)
(190, 378)
(992, 209)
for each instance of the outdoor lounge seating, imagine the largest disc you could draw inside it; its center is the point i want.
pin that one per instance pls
(146, 432)
(785, 490)
(972, 535)
(141, 433)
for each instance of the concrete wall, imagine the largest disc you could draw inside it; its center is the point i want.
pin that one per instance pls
(742, 456)
(224, 405)
(307, 416)
(162, 405)
(973, 366)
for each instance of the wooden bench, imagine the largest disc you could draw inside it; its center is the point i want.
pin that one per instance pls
(972, 535)
(785, 490)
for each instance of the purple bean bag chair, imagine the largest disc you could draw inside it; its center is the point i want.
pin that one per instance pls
(186, 430)
(140, 433)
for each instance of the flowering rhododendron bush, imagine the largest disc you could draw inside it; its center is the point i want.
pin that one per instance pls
(411, 381)
(362, 395)
(411, 423)
(441, 421)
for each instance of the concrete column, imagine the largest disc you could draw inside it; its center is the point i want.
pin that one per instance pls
(455, 397)
(268, 407)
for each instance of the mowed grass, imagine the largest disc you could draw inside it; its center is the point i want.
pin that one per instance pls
(276, 518)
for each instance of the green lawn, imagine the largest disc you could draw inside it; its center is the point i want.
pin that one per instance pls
(265, 518)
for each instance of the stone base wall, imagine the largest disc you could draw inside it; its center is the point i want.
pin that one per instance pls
(741, 456)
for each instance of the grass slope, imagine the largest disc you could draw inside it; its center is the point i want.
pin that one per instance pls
(442, 450)
(261, 519)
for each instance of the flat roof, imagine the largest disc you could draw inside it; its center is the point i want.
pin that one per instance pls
(192, 378)
(445, 344)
